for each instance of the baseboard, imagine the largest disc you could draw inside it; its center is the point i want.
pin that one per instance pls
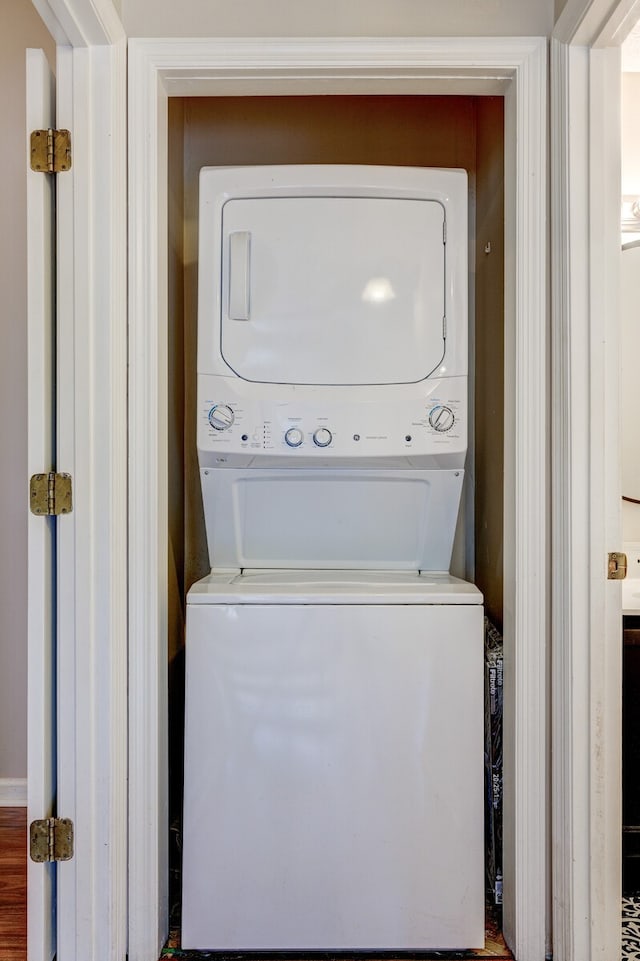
(13, 792)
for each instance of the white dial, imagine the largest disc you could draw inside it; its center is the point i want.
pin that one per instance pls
(441, 418)
(294, 437)
(221, 417)
(322, 437)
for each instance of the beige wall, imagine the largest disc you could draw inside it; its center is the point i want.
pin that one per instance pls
(630, 305)
(630, 134)
(21, 28)
(373, 18)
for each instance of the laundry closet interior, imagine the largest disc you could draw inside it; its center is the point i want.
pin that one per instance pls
(415, 131)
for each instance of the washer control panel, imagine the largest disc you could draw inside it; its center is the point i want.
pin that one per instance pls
(238, 431)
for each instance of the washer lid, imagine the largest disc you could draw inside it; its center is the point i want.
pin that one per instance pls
(332, 587)
(333, 290)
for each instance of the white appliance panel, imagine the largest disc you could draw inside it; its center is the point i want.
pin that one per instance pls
(333, 778)
(272, 343)
(333, 290)
(287, 586)
(289, 518)
(424, 425)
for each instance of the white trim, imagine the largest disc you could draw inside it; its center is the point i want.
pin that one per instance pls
(13, 792)
(596, 23)
(148, 511)
(586, 669)
(81, 23)
(159, 68)
(526, 516)
(92, 610)
(92, 446)
(605, 660)
(621, 23)
(570, 617)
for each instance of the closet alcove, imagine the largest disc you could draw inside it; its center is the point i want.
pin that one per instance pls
(435, 131)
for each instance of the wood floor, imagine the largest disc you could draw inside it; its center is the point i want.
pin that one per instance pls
(13, 884)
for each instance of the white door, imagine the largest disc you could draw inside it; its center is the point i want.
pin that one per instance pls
(41, 530)
(339, 290)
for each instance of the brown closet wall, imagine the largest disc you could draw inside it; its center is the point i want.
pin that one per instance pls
(410, 130)
(489, 355)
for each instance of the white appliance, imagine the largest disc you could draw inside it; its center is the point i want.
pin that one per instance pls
(333, 791)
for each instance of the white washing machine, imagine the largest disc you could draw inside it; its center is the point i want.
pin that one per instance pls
(333, 791)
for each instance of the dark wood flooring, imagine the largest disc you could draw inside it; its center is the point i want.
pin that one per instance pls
(13, 884)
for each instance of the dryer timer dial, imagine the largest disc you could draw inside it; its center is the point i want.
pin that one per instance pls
(441, 418)
(221, 417)
(294, 437)
(322, 437)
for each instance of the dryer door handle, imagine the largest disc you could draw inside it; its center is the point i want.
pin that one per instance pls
(239, 274)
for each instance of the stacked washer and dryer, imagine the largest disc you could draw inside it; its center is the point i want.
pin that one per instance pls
(333, 795)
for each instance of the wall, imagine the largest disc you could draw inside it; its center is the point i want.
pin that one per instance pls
(489, 362)
(629, 400)
(176, 453)
(630, 305)
(331, 18)
(21, 28)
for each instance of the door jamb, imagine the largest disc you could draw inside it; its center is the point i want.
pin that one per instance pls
(515, 67)
(92, 446)
(586, 690)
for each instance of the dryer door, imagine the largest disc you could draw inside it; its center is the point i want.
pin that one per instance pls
(333, 290)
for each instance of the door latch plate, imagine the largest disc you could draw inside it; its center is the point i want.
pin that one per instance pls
(617, 567)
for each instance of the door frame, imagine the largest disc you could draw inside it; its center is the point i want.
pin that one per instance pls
(586, 668)
(92, 447)
(516, 68)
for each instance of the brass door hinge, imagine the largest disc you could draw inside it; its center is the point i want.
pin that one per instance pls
(50, 151)
(617, 568)
(51, 839)
(50, 494)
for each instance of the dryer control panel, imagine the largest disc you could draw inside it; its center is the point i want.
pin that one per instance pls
(323, 426)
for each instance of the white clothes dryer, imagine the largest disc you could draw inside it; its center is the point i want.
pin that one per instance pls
(334, 706)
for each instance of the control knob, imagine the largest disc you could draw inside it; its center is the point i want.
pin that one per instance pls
(322, 437)
(294, 437)
(441, 418)
(221, 417)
